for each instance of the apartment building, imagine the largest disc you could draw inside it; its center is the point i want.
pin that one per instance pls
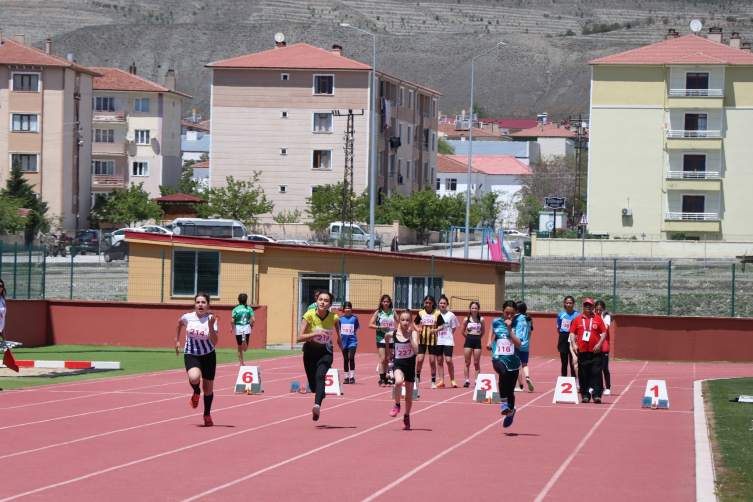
(45, 104)
(669, 140)
(274, 112)
(554, 138)
(136, 132)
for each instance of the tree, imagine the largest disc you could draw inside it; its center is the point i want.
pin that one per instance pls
(284, 217)
(186, 184)
(326, 205)
(18, 188)
(552, 177)
(479, 111)
(130, 206)
(488, 209)
(240, 200)
(444, 147)
(422, 211)
(10, 216)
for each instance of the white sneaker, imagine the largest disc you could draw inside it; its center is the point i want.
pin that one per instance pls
(607, 392)
(590, 391)
(433, 385)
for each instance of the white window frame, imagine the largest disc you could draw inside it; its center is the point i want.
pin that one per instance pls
(400, 177)
(434, 107)
(313, 86)
(448, 182)
(410, 133)
(14, 73)
(311, 191)
(283, 151)
(329, 160)
(705, 155)
(147, 136)
(330, 123)
(94, 135)
(410, 99)
(140, 102)
(283, 188)
(195, 275)
(416, 105)
(407, 170)
(400, 131)
(682, 202)
(696, 112)
(426, 280)
(23, 114)
(285, 77)
(102, 99)
(284, 114)
(402, 96)
(144, 172)
(10, 161)
(109, 162)
(433, 141)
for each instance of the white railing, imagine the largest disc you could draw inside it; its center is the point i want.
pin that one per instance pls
(692, 216)
(98, 116)
(682, 133)
(696, 93)
(108, 180)
(694, 175)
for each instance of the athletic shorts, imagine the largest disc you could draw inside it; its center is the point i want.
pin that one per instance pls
(408, 367)
(239, 338)
(349, 341)
(472, 342)
(206, 363)
(444, 350)
(524, 356)
(382, 345)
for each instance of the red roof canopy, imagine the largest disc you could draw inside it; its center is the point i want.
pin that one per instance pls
(12, 52)
(115, 79)
(297, 56)
(547, 132)
(687, 49)
(484, 164)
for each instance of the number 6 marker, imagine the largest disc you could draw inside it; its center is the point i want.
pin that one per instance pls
(249, 380)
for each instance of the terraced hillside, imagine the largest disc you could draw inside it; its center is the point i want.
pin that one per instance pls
(542, 68)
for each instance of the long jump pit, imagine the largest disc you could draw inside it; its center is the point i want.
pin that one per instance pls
(52, 369)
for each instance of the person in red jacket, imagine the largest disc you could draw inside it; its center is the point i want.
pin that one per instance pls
(588, 333)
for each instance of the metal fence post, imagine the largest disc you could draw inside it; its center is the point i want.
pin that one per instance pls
(614, 288)
(162, 294)
(253, 275)
(72, 253)
(431, 283)
(342, 279)
(28, 285)
(15, 267)
(669, 288)
(1, 258)
(44, 271)
(523, 278)
(733, 289)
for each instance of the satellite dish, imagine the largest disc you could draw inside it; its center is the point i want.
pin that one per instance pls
(696, 25)
(279, 37)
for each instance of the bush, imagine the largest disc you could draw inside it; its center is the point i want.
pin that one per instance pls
(677, 236)
(600, 28)
(569, 33)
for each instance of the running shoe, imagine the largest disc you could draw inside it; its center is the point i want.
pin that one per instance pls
(506, 409)
(346, 381)
(518, 389)
(382, 382)
(406, 423)
(418, 379)
(434, 385)
(530, 384)
(585, 400)
(467, 384)
(391, 381)
(316, 411)
(507, 422)
(607, 392)
(597, 400)
(440, 385)
(352, 380)
(454, 384)
(195, 401)
(395, 410)
(208, 421)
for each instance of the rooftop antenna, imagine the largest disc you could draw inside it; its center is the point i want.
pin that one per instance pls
(696, 25)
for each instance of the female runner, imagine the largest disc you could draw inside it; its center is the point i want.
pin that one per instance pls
(473, 331)
(600, 309)
(564, 319)
(446, 342)
(383, 321)
(349, 327)
(525, 349)
(198, 354)
(406, 346)
(505, 347)
(428, 322)
(317, 329)
(241, 323)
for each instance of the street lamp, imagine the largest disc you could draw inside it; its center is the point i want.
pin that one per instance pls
(470, 150)
(372, 178)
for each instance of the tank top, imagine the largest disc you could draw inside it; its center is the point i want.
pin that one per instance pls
(403, 349)
(386, 319)
(473, 326)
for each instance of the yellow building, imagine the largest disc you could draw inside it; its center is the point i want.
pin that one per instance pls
(669, 139)
(172, 269)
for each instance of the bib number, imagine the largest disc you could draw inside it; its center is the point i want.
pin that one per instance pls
(586, 336)
(323, 336)
(387, 323)
(474, 326)
(347, 329)
(565, 325)
(505, 347)
(428, 320)
(403, 352)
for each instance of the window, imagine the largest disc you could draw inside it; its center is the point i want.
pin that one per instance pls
(322, 159)
(324, 84)
(410, 133)
(380, 163)
(140, 169)
(141, 105)
(407, 169)
(283, 188)
(416, 105)
(451, 184)
(322, 122)
(400, 132)
(402, 96)
(434, 108)
(410, 291)
(693, 164)
(103, 167)
(104, 135)
(410, 100)
(284, 76)
(196, 272)
(695, 122)
(283, 151)
(27, 162)
(426, 171)
(415, 172)
(693, 203)
(101, 104)
(308, 283)
(399, 171)
(415, 138)
(284, 115)
(433, 141)
(392, 166)
(28, 82)
(142, 137)
(25, 123)
(431, 178)
(316, 189)
(439, 184)
(696, 81)
(426, 140)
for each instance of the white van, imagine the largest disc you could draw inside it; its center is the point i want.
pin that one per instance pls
(358, 233)
(226, 229)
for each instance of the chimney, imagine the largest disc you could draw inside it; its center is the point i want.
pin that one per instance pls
(170, 79)
(337, 50)
(19, 38)
(48, 46)
(734, 40)
(672, 33)
(280, 44)
(132, 68)
(540, 126)
(555, 125)
(746, 46)
(715, 34)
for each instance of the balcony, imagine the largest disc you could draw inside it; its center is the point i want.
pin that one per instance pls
(691, 222)
(696, 93)
(110, 149)
(109, 117)
(671, 216)
(693, 175)
(108, 181)
(683, 133)
(693, 180)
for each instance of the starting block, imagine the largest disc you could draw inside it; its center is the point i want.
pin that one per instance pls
(307, 389)
(295, 386)
(249, 380)
(333, 384)
(486, 385)
(566, 391)
(416, 394)
(656, 396)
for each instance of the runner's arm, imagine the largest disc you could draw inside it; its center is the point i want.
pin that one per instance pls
(303, 336)
(373, 323)
(213, 337)
(177, 336)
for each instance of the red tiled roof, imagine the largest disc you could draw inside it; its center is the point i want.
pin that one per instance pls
(179, 197)
(195, 125)
(12, 52)
(485, 164)
(449, 130)
(380, 72)
(115, 79)
(296, 56)
(511, 123)
(201, 164)
(547, 132)
(687, 49)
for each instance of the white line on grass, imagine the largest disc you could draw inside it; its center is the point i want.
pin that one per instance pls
(705, 477)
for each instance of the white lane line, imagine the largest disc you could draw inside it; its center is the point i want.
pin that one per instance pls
(443, 453)
(310, 452)
(569, 459)
(705, 476)
(177, 450)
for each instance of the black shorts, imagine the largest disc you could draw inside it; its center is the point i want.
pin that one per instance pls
(383, 345)
(422, 348)
(408, 367)
(443, 350)
(239, 338)
(472, 342)
(206, 363)
(563, 342)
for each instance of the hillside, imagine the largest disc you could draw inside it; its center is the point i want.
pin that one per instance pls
(429, 42)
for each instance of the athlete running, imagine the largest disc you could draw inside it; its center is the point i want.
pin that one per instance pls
(406, 346)
(505, 347)
(241, 324)
(383, 321)
(428, 322)
(524, 349)
(349, 331)
(473, 331)
(446, 342)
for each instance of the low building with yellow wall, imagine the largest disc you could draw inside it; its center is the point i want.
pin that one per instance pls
(172, 269)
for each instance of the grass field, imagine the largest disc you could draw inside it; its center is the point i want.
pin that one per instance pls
(132, 360)
(731, 437)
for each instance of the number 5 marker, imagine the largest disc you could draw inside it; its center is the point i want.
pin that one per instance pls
(333, 384)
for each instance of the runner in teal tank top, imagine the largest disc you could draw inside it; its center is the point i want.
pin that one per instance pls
(241, 323)
(383, 321)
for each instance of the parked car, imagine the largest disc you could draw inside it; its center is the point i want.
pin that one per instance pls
(515, 233)
(294, 241)
(359, 235)
(117, 252)
(260, 238)
(119, 235)
(226, 229)
(86, 241)
(155, 229)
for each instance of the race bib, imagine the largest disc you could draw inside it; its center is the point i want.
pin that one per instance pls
(505, 347)
(445, 334)
(347, 329)
(428, 320)
(387, 323)
(474, 326)
(586, 336)
(565, 325)
(197, 333)
(323, 336)
(403, 351)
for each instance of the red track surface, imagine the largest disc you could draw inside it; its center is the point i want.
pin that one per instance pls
(136, 437)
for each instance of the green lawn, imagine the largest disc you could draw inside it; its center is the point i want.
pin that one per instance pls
(132, 360)
(731, 438)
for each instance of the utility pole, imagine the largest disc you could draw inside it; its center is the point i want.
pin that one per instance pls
(348, 195)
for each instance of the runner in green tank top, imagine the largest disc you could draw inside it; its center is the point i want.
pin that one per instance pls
(241, 323)
(383, 321)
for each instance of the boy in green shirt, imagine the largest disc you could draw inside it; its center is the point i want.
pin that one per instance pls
(242, 322)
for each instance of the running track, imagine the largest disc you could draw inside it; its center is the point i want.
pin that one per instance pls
(135, 437)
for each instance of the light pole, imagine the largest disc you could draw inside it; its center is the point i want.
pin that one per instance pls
(372, 177)
(470, 150)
